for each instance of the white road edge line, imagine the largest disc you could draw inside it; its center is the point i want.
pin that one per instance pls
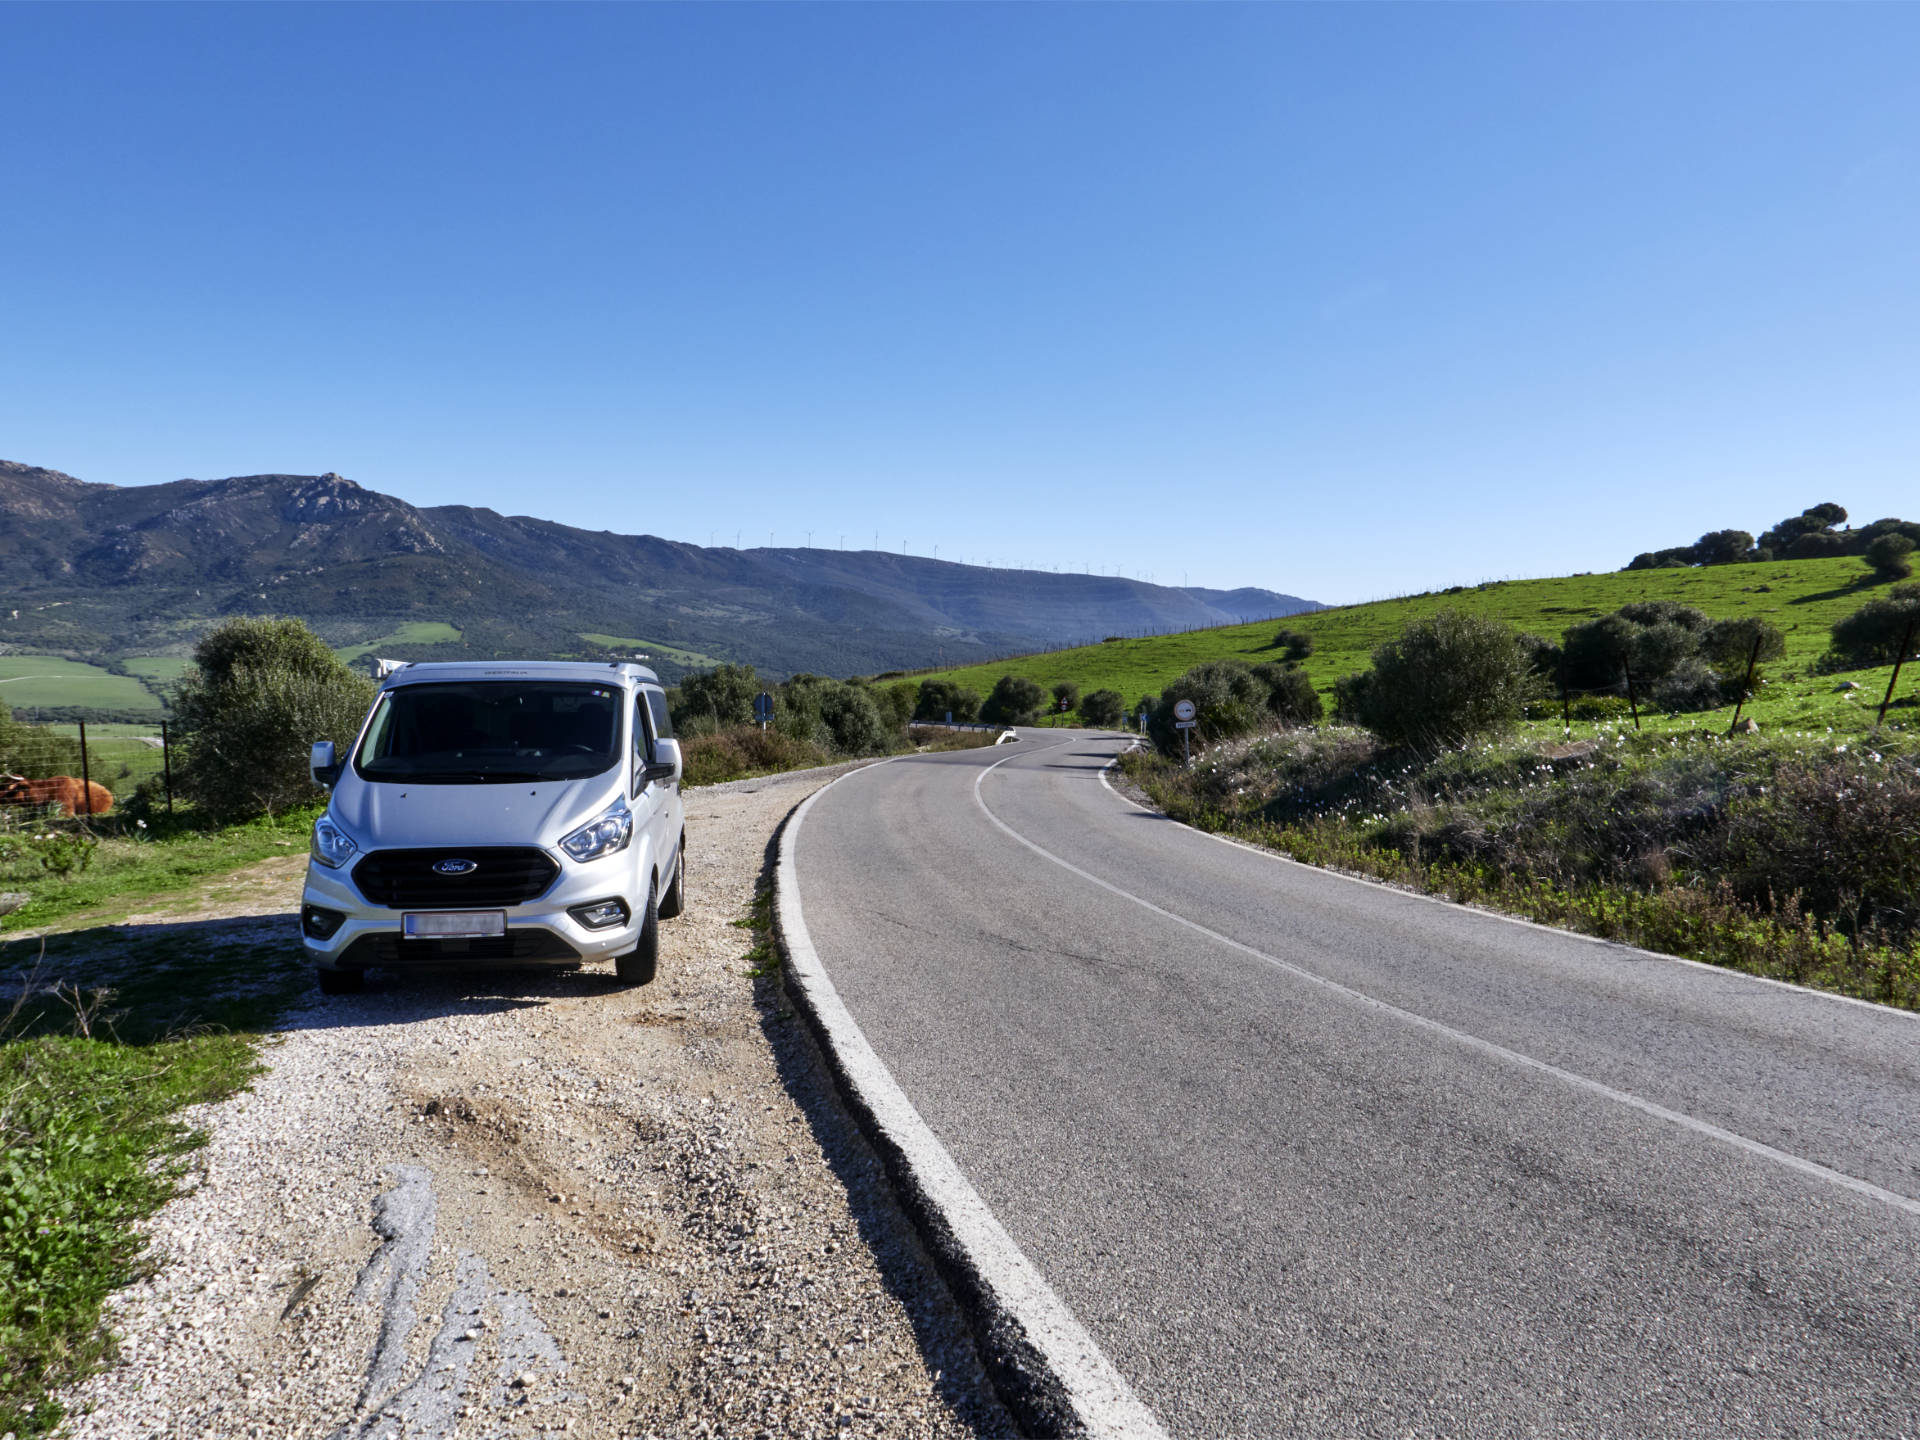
(1098, 1398)
(1911, 1017)
(1473, 1042)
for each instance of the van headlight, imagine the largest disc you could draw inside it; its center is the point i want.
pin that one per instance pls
(331, 847)
(607, 835)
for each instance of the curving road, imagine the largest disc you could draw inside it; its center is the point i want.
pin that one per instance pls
(1309, 1156)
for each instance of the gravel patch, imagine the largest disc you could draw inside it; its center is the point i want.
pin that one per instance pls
(521, 1204)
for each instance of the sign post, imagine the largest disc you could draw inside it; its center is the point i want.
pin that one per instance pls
(1184, 722)
(763, 708)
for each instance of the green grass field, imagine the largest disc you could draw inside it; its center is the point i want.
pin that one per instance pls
(33, 682)
(692, 659)
(1802, 597)
(159, 672)
(413, 632)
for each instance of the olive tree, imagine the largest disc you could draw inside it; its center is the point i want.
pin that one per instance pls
(260, 693)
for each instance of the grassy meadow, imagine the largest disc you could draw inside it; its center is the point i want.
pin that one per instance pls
(413, 632)
(47, 682)
(1803, 597)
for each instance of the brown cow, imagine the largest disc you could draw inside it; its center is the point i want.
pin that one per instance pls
(76, 797)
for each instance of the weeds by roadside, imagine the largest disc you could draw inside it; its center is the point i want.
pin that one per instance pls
(109, 1036)
(1796, 858)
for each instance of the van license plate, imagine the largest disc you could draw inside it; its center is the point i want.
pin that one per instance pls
(454, 924)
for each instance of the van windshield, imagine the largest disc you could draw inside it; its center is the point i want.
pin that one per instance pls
(491, 733)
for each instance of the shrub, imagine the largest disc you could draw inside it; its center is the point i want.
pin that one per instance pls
(1066, 696)
(896, 703)
(940, 698)
(1291, 698)
(1447, 677)
(262, 691)
(1887, 556)
(1729, 645)
(1103, 709)
(1691, 685)
(745, 750)
(854, 722)
(1839, 831)
(722, 696)
(1015, 700)
(1228, 700)
(1297, 644)
(1872, 634)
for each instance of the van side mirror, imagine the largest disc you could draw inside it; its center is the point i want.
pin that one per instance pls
(322, 766)
(665, 764)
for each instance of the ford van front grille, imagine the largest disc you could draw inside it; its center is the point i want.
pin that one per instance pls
(473, 878)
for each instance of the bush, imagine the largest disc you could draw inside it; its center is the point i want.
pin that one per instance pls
(940, 699)
(745, 750)
(262, 692)
(721, 697)
(1729, 645)
(854, 722)
(1297, 644)
(1887, 556)
(1015, 700)
(1066, 696)
(1291, 698)
(1228, 700)
(1872, 634)
(1448, 677)
(1103, 709)
(895, 703)
(1691, 685)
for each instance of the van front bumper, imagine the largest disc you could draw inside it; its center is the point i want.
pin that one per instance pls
(341, 930)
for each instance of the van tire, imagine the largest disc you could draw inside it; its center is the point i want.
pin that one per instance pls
(339, 982)
(675, 900)
(638, 965)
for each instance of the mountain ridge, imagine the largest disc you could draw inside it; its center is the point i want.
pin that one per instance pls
(97, 568)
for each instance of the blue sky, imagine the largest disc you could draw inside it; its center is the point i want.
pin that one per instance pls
(1345, 301)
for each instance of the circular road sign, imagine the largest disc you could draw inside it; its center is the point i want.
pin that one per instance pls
(1183, 709)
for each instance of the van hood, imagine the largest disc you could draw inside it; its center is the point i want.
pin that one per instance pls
(383, 816)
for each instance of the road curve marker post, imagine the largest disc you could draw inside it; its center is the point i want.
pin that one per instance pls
(1049, 1372)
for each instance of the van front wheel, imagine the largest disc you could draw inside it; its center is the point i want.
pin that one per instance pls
(638, 965)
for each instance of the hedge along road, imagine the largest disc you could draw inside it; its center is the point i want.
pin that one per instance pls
(1311, 1156)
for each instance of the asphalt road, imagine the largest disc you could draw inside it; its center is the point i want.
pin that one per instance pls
(1314, 1157)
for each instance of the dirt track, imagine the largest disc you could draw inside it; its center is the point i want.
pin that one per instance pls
(534, 1203)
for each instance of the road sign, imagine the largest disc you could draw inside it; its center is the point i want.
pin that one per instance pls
(1185, 724)
(763, 708)
(1183, 710)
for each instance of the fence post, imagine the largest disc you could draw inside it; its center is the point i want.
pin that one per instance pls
(1906, 644)
(86, 778)
(1632, 703)
(166, 764)
(1753, 657)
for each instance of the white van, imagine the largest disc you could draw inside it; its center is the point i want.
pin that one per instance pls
(499, 814)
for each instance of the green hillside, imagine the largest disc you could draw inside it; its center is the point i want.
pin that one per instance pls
(412, 632)
(1802, 597)
(47, 682)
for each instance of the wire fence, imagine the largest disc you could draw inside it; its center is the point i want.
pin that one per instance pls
(82, 771)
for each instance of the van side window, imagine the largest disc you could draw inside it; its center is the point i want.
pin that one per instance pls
(662, 721)
(642, 743)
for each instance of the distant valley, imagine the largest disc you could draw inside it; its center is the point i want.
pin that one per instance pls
(105, 572)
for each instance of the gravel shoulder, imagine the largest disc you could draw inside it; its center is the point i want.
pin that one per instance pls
(526, 1203)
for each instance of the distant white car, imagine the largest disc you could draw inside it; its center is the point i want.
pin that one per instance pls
(499, 814)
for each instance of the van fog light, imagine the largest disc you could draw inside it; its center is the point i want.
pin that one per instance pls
(601, 914)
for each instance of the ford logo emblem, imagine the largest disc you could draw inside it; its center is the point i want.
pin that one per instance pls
(454, 867)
